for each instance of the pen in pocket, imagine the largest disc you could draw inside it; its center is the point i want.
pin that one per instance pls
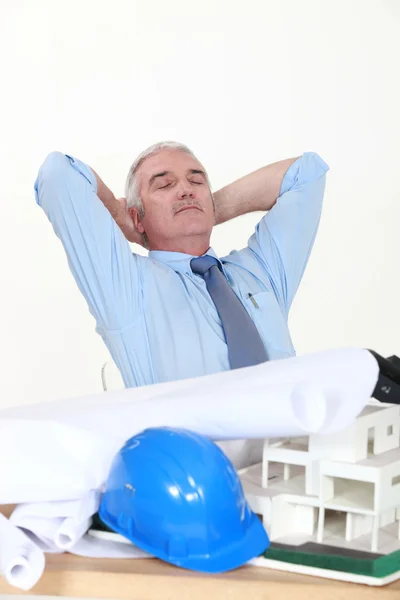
(253, 301)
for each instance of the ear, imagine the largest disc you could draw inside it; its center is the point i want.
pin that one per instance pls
(136, 219)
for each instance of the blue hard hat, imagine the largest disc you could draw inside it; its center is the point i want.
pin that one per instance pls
(176, 495)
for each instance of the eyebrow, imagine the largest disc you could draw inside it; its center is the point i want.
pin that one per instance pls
(163, 173)
(197, 172)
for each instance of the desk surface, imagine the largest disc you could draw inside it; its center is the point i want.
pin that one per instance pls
(151, 579)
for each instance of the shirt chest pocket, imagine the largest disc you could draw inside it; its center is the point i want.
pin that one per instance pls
(270, 321)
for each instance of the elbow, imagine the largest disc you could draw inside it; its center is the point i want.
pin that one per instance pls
(61, 167)
(55, 164)
(317, 162)
(311, 168)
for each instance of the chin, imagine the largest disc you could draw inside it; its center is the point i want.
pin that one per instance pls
(195, 225)
(197, 228)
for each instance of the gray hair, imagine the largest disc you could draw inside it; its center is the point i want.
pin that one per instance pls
(132, 192)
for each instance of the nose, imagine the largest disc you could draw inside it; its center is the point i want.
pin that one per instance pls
(185, 190)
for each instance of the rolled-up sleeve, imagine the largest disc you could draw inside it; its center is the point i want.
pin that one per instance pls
(284, 237)
(99, 256)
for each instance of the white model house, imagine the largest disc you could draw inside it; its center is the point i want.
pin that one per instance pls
(354, 474)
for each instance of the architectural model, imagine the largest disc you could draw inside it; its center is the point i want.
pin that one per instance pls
(340, 490)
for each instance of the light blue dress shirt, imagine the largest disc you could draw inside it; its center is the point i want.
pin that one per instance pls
(154, 315)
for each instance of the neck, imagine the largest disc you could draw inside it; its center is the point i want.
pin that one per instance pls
(193, 245)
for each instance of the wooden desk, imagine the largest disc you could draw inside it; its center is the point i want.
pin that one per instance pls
(151, 579)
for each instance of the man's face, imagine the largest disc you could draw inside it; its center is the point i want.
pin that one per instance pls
(176, 198)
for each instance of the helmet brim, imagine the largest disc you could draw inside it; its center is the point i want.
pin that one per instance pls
(232, 556)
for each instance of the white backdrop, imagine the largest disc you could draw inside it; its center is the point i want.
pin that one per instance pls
(242, 83)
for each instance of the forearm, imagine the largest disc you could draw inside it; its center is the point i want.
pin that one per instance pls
(257, 191)
(119, 212)
(107, 197)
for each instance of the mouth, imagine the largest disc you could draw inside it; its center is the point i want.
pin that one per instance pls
(184, 208)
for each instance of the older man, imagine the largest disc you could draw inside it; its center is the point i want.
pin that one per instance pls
(182, 311)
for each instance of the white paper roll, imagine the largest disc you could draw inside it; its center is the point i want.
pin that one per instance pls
(21, 561)
(57, 524)
(70, 532)
(62, 450)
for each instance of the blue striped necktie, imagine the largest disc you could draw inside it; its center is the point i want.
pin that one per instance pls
(245, 347)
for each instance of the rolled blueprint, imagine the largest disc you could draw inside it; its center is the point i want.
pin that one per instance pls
(58, 525)
(321, 392)
(53, 527)
(62, 450)
(21, 561)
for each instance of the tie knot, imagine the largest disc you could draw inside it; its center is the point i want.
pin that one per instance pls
(202, 264)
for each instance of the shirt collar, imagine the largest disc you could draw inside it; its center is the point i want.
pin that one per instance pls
(179, 261)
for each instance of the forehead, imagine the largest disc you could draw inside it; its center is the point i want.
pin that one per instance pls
(175, 161)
